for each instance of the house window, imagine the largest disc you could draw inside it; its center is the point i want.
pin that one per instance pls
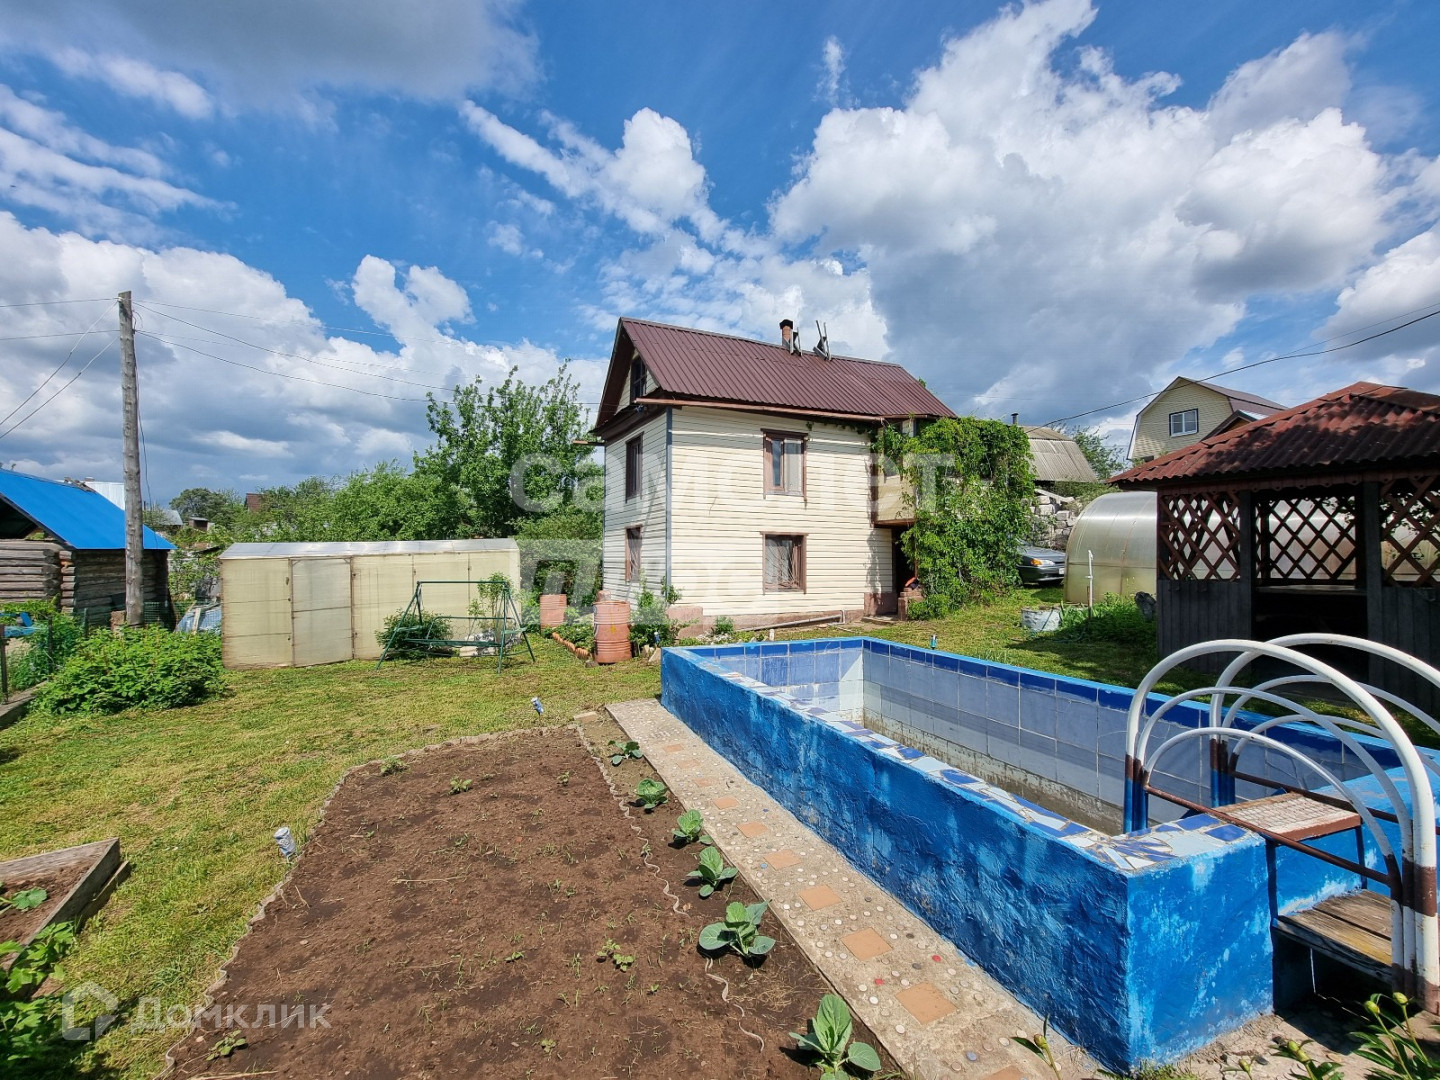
(633, 461)
(632, 553)
(637, 380)
(1185, 423)
(784, 464)
(784, 563)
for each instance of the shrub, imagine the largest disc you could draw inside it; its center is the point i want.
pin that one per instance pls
(147, 668)
(649, 625)
(579, 629)
(32, 663)
(1114, 618)
(724, 627)
(417, 629)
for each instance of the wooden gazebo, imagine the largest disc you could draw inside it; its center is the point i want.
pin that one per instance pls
(1320, 518)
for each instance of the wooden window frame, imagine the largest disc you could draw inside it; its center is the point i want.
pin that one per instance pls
(637, 380)
(802, 543)
(634, 467)
(768, 463)
(634, 552)
(1182, 414)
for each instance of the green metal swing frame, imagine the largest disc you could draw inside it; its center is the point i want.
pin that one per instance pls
(498, 630)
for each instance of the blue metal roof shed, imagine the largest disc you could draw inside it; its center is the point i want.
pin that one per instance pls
(78, 517)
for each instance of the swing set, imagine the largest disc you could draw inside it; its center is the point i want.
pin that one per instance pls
(491, 621)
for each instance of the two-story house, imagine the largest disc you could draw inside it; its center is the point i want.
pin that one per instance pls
(740, 472)
(1189, 410)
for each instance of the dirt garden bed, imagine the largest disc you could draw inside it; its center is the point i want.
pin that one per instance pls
(438, 934)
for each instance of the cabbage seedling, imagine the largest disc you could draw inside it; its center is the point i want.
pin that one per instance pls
(740, 931)
(712, 872)
(651, 793)
(829, 1041)
(24, 900)
(690, 827)
(625, 750)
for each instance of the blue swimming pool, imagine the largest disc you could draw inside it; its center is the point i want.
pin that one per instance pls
(986, 797)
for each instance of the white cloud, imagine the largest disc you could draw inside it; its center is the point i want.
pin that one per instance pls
(833, 59)
(47, 163)
(651, 182)
(1044, 236)
(284, 52)
(318, 403)
(137, 79)
(507, 238)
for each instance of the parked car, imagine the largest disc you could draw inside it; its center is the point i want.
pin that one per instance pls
(1041, 566)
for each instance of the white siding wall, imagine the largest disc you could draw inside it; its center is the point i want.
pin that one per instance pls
(719, 513)
(647, 510)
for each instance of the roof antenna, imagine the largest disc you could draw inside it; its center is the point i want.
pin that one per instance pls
(822, 347)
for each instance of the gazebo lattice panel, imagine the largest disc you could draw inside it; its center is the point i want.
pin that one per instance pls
(1199, 536)
(1410, 530)
(1306, 539)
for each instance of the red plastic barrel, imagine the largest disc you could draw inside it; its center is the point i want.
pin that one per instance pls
(612, 631)
(552, 610)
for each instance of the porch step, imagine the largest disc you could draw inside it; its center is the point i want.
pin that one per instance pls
(1353, 929)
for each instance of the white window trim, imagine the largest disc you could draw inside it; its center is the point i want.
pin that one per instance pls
(1183, 414)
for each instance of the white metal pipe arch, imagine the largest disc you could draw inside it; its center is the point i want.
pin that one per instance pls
(1415, 938)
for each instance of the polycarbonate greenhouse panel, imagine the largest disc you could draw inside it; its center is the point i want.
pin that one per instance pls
(320, 604)
(1116, 535)
(342, 594)
(256, 625)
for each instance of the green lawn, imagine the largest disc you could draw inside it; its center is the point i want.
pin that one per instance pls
(195, 794)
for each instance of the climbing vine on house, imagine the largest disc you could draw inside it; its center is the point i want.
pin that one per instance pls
(972, 485)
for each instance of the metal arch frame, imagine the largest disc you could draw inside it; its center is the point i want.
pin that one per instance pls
(1415, 936)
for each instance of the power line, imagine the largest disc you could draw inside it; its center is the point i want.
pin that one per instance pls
(37, 337)
(295, 356)
(52, 374)
(278, 374)
(1258, 363)
(47, 303)
(57, 393)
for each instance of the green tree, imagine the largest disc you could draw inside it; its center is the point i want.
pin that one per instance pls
(973, 485)
(1105, 458)
(511, 451)
(217, 507)
(388, 503)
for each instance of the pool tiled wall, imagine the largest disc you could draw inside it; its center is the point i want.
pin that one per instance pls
(1141, 947)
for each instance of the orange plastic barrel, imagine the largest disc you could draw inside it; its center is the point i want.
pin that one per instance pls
(552, 610)
(612, 631)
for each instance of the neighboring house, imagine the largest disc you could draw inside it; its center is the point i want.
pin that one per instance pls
(740, 472)
(1189, 410)
(66, 543)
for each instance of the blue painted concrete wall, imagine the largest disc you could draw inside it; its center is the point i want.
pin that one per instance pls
(1141, 948)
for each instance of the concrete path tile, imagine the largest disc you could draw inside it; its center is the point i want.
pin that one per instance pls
(726, 802)
(752, 829)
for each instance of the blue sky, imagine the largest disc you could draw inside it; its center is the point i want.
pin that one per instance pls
(1043, 208)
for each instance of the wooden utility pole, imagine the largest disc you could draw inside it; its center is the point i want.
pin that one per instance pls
(134, 509)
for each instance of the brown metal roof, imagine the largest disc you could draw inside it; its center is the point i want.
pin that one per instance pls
(1241, 402)
(699, 366)
(1360, 428)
